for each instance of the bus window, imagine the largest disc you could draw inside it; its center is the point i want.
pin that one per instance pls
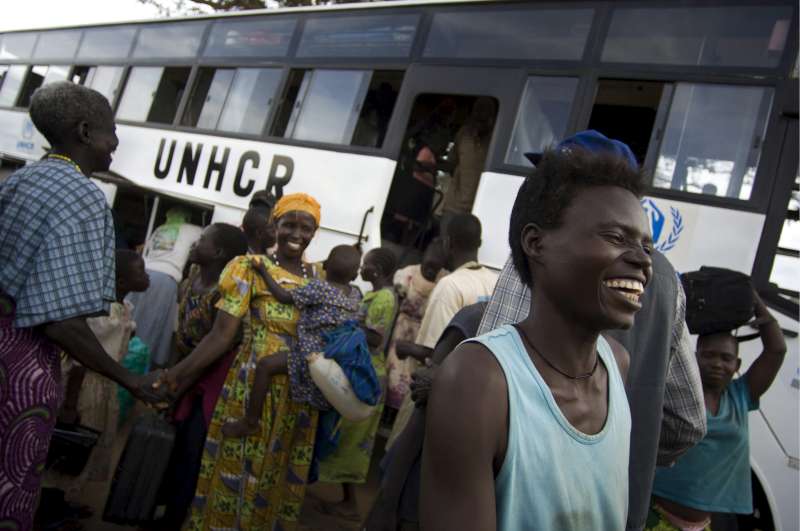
(377, 108)
(3, 73)
(288, 101)
(12, 81)
(233, 100)
(250, 100)
(714, 36)
(152, 94)
(712, 140)
(209, 93)
(626, 110)
(254, 37)
(104, 79)
(181, 39)
(17, 46)
(106, 43)
(57, 44)
(339, 106)
(542, 116)
(787, 256)
(359, 36)
(39, 76)
(528, 33)
(328, 108)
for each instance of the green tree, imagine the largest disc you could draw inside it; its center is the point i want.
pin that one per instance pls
(189, 7)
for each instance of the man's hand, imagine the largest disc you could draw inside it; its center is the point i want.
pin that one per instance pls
(422, 382)
(403, 348)
(146, 389)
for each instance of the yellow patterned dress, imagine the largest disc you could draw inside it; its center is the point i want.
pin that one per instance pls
(256, 483)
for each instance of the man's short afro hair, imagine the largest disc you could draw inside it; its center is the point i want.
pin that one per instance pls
(550, 189)
(57, 108)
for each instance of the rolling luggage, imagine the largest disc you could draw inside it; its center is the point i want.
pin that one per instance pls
(141, 468)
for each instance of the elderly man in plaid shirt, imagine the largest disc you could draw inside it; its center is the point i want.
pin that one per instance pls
(56, 269)
(664, 388)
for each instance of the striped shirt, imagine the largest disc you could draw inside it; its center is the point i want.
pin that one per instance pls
(56, 244)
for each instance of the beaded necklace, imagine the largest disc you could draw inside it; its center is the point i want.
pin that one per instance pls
(65, 159)
(302, 265)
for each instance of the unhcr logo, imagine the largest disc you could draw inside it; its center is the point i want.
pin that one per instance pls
(663, 239)
(27, 129)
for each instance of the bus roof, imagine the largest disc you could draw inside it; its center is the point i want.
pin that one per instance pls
(385, 4)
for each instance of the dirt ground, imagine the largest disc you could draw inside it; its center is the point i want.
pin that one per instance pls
(311, 519)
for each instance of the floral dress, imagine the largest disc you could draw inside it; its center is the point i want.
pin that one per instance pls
(323, 308)
(415, 290)
(258, 482)
(349, 463)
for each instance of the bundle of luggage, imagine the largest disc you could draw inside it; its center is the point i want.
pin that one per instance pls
(717, 300)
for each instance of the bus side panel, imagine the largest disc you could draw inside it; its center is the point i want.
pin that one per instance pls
(690, 235)
(777, 477)
(225, 171)
(18, 137)
(493, 202)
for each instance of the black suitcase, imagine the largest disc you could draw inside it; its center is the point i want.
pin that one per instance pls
(141, 468)
(70, 448)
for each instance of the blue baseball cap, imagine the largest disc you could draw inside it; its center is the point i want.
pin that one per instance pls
(593, 141)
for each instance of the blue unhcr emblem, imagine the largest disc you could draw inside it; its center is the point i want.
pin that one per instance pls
(658, 223)
(27, 129)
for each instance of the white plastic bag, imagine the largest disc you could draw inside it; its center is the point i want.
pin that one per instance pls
(335, 386)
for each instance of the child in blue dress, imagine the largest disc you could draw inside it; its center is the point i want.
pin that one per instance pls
(324, 306)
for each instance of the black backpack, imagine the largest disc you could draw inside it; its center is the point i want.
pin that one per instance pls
(717, 300)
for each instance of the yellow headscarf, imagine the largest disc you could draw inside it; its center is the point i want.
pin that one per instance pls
(299, 202)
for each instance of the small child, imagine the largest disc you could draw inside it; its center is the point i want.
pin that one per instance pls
(325, 306)
(714, 476)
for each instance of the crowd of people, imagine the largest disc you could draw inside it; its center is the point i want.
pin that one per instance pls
(562, 394)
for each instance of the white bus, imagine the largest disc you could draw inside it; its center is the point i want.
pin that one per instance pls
(342, 101)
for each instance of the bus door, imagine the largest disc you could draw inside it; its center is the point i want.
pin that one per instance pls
(450, 116)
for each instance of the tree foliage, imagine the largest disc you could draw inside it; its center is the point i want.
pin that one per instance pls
(189, 7)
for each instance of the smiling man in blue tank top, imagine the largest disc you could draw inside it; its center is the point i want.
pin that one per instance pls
(528, 426)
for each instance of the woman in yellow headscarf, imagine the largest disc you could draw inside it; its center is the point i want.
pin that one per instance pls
(257, 482)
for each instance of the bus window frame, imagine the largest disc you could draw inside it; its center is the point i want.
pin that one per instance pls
(235, 66)
(597, 7)
(785, 170)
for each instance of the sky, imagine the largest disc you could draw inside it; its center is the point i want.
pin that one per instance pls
(46, 13)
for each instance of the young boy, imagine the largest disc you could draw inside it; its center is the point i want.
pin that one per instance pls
(324, 306)
(714, 476)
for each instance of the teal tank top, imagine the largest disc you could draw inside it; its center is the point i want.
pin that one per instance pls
(555, 477)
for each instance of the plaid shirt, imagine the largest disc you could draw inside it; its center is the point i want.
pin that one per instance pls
(56, 244)
(684, 421)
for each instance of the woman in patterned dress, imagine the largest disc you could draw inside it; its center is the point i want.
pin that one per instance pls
(349, 463)
(414, 284)
(257, 482)
(198, 296)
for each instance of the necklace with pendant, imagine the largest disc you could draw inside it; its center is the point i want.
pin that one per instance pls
(302, 265)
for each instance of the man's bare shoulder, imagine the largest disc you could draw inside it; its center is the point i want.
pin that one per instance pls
(474, 374)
